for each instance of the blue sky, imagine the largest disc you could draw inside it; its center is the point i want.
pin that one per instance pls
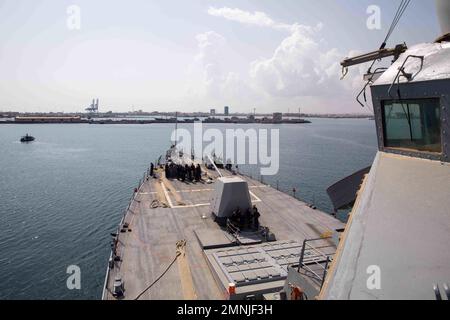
(193, 55)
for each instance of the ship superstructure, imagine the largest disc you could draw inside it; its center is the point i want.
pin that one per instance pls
(395, 245)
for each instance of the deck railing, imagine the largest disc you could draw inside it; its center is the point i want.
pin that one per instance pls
(232, 229)
(313, 256)
(122, 221)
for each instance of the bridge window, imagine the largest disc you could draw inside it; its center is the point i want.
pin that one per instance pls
(413, 124)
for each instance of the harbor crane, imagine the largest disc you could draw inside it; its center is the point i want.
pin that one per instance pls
(93, 108)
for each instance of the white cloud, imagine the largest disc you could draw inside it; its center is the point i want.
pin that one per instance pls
(256, 18)
(212, 82)
(301, 67)
(210, 45)
(208, 42)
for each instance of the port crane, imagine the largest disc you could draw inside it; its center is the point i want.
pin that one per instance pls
(93, 108)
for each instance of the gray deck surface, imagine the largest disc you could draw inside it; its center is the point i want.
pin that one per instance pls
(150, 247)
(401, 224)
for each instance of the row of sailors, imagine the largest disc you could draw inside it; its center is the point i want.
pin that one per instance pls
(247, 220)
(183, 172)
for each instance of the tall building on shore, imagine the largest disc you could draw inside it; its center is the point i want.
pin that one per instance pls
(226, 111)
(212, 112)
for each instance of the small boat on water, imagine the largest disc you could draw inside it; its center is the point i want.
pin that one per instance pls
(27, 138)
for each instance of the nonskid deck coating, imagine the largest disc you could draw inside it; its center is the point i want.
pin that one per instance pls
(150, 246)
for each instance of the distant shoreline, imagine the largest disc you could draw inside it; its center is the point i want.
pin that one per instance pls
(146, 122)
(171, 118)
(129, 121)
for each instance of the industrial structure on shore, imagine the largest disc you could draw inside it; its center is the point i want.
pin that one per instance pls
(93, 108)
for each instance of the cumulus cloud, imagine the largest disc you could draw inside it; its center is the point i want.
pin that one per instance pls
(301, 65)
(216, 85)
(210, 45)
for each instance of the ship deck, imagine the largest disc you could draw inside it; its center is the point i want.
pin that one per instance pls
(148, 247)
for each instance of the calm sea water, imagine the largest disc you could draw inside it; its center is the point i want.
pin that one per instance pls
(62, 195)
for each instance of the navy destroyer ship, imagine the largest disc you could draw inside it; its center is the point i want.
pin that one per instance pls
(218, 234)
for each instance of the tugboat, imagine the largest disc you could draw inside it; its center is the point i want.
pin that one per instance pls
(27, 138)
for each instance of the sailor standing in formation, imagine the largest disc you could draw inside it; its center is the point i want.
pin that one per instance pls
(256, 216)
(183, 172)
